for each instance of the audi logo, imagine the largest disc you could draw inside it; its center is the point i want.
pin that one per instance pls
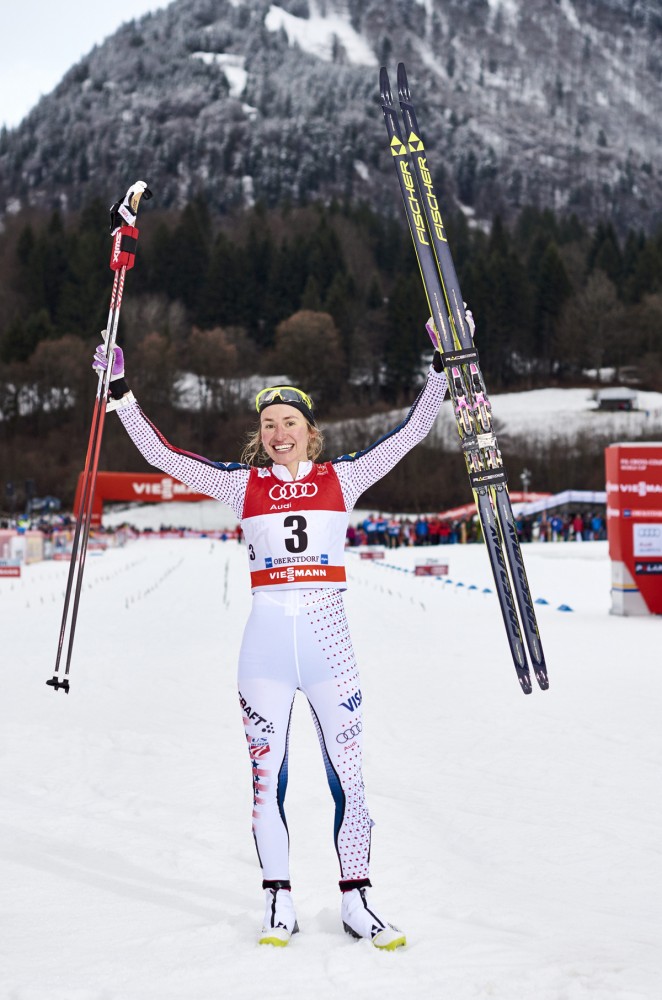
(349, 734)
(292, 491)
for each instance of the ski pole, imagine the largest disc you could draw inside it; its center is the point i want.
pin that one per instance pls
(122, 258)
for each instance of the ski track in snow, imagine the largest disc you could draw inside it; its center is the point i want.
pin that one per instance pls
(516, 838)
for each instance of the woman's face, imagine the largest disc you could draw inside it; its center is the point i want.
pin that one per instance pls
(285, 434)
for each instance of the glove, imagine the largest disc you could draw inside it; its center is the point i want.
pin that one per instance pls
(100, 362)
(432, 334)
(432, 329)
(118, 387)
(123, 213)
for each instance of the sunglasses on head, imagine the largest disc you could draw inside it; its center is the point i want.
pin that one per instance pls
(285, 393)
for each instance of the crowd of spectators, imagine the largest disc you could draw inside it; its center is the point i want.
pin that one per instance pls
(395, 531)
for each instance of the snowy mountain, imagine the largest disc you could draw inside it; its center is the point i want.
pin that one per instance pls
(520, 102)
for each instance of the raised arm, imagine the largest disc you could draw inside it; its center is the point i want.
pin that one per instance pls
(220, 481)
(361, 469)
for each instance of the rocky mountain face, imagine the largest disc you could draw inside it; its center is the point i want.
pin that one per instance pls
(546, 102)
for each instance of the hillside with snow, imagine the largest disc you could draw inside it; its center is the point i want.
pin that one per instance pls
(520, 103)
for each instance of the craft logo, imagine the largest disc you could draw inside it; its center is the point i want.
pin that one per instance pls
(252, 715)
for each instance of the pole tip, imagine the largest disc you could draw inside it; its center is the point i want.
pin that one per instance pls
(56, 683)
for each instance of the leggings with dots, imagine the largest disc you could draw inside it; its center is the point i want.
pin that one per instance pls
(299, 640)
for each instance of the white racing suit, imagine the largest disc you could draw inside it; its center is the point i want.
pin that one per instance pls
(297, 637)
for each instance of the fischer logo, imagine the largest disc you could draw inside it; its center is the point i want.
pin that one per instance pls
(432, 200)
(419, 225)
(166, 489)
(292, 491)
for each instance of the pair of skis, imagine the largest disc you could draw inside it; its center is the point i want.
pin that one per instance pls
(122, 258)
(471, 405)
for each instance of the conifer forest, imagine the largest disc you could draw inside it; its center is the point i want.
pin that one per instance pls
(328, 297)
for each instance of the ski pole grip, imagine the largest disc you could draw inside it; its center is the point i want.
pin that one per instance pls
(123, 252)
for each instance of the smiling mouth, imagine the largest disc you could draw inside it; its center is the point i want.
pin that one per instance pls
(282, 447)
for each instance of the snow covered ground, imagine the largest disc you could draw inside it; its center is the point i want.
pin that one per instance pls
(538, 414)
(517, 839)
(543, 414)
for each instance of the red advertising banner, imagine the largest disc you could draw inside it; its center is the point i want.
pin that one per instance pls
(6, 535)
(372, 554)
(431, 569)
(142, 487)
(634, 526)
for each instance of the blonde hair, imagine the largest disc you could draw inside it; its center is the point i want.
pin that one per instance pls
(254, 453)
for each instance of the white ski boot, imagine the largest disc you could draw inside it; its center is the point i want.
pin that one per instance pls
(361, 921)
(280, 921)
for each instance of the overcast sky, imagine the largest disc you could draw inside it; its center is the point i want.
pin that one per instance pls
(42, 39)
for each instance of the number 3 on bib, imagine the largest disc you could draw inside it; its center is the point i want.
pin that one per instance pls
(299, 541)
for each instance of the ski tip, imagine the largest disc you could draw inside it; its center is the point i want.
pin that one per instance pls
(403, 84)
(385, 86)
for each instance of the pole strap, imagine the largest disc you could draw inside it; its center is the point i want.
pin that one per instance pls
(123, 252)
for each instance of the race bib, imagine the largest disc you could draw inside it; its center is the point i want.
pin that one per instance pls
(295, 531)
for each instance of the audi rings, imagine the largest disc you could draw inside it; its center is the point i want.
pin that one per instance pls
(349, 734)
(292, 491)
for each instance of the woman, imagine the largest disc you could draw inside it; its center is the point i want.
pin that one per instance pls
(294, 515)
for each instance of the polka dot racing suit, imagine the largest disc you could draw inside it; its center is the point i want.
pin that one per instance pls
(297, 637)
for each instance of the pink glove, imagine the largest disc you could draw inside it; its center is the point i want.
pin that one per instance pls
(432, 329)
(433, 335)
(100, 362)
